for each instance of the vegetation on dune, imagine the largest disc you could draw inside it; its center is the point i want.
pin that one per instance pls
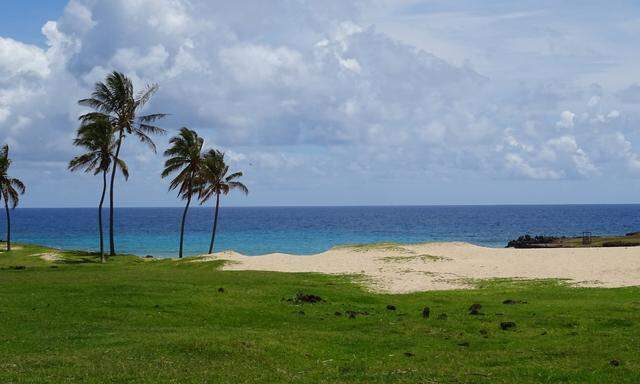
(528, 241)
(629, 240)
(10, 189)
(383, 246)
(158, 321)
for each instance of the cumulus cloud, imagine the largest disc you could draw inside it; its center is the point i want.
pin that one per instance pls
(521, 167)
(18, 59)
(568, 146)
(566, 119)
(302, 87)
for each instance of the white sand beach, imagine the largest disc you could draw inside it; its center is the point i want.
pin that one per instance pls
(397, 268)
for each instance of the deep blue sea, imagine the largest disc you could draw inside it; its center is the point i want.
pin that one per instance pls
(307, 230)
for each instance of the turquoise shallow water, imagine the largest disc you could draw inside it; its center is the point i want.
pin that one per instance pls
(307, 230)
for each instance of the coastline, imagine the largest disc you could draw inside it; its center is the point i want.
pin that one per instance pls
(405, 268)
(312, 230)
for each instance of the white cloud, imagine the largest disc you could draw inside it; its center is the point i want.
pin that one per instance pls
(593, 101)
(522, 168)
(78, 16)
(613, 114)
(320, 88)
(615, 147)
(4, 114)
(566, 119)
(19, 59)
(257, 64)
(567, 144)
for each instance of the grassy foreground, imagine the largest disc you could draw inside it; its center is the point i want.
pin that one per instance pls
(630, 240)
(165, 321)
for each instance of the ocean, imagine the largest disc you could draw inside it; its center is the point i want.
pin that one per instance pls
(308, 230)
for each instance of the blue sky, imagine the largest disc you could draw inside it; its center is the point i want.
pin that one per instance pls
(22, 20)
(340, 102)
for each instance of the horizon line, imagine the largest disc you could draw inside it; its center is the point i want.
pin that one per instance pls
(346, 206)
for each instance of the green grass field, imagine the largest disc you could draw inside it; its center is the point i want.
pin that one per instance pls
(600, 241)
(164, 321)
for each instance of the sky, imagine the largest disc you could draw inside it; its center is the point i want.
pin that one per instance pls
(334, 102)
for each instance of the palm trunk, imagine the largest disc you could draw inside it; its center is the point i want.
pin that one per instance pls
(6, 208)
(112, 246)
(104, 191)
(184, 216)
(215, 224)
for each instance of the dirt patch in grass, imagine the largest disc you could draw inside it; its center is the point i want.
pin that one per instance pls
(49, 256)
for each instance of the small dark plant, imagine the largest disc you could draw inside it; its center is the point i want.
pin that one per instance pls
(528, 241)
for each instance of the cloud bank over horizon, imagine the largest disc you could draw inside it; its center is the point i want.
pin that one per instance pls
(370, 102)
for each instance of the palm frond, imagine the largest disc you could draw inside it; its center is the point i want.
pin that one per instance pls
(4, 151)
(145, 95)
(184, 157)
(18, 185)
(146, 140)
(233, 176)
(152, 117)
(152, 129)
(214, 178)
(122, 165)
(239, 186)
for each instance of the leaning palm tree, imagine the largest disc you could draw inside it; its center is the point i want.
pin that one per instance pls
(10, 189)
(116, 99)
(185, 159)
(216, 180)
(95, 135)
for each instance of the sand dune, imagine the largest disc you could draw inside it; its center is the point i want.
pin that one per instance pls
(439, 266)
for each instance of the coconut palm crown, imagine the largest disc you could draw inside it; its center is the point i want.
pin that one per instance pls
(96, 137)
(116, 99)
(215, 180)
(184, 158)
(10, 189)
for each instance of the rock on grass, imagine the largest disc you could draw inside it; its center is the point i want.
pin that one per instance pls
(474, 309)
(506, 325)
(512, 302)
(307, 298)
(354, 314)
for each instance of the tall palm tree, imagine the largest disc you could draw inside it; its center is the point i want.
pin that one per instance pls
(10, 189)
(96, 136)
(216, 180)
(185, 159)
(116, 99)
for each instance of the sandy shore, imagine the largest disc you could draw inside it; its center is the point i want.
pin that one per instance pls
(438, 266)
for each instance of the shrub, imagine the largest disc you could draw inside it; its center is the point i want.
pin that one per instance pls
(620, 243)
(527, 241)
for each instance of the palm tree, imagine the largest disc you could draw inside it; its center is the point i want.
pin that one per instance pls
(10, 189)
(185, 158)
(96, 136)
(215, 180)
(116, 99)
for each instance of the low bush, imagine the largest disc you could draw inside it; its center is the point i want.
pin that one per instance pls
(527, 241)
